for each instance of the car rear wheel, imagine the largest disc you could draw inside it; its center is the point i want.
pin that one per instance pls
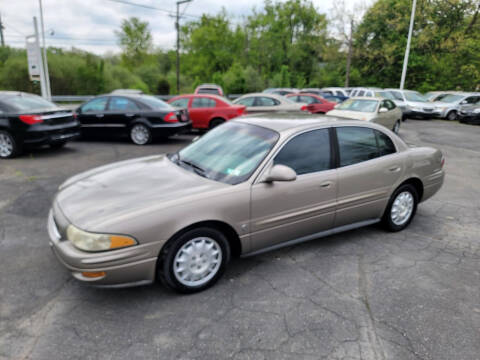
(452, 115)
(401, 208)
(8, 146)
(194, 261)
(215, 122)
(396, 127)
(140, 134)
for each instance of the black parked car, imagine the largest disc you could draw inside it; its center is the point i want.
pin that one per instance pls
(27, 120)
(142, 117)
(469, 114)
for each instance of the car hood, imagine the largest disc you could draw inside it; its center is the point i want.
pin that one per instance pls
(443, 104)
(103, 196)
(420, 104)
(356, 115)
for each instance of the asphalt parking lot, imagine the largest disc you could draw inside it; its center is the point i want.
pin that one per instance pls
(364, 294)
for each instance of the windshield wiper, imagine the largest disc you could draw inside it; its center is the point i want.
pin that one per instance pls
(199, 170)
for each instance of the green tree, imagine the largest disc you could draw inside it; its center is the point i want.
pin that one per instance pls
(135, 40)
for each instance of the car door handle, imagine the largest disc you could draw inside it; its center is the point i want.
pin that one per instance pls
(99, 115)
(129, 115)
(394, 169)
(326, 184)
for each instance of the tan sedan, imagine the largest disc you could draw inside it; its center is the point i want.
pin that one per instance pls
(265, 102)
(377, 110)
(251, 185)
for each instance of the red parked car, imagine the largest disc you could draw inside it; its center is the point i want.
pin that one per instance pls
(207, 111)
(315, 103)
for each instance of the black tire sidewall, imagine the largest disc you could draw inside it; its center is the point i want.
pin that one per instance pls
(149, 140)
(452, 112)
(215, 122)
(16, 147)
(167, 257)
(387, 219)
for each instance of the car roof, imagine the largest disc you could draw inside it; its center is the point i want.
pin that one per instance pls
(366, 98)
(14, 93)
(286, 121)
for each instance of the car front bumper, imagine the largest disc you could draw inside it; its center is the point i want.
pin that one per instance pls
(421, 114)
(469, 118)
(39, 135)
(132, 266)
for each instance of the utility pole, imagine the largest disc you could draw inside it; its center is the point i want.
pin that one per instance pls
(45, 60)
(43, 86)
(177, 26)
(349, 56)
(407, 50)
(2, 40)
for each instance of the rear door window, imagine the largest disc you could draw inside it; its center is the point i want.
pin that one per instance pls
(201, 102)
(249, 101)
(266, 101)
(121, 104)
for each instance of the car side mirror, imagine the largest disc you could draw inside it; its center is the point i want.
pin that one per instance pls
(280, 173)
(464, 102)
(382, 110)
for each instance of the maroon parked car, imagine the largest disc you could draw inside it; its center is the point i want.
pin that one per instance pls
(315, 104)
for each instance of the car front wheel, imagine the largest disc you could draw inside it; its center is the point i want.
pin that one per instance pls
(140, 134)
(396, 127)
(452, 115)
(401, 208)
(8, 146)
(195, 260)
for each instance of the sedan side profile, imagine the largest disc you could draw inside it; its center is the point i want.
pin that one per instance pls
(27, 120)
(141, 117)
(207, 111)
(377, 110)
(248, 186)
(267, 102)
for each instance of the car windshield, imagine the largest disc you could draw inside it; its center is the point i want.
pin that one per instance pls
(230, 153)
(359, 105)
(452, 98)
(208, 91)
(155, 103)
(414, 96)
(385, 95)
(22, 103)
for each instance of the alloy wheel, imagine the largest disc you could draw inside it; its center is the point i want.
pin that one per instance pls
(6, 145)
(140, 134)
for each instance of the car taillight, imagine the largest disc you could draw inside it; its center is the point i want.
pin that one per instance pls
(75, 116)
(304, 108)
(241, 110)
(442, 163)
(31, 119)
(171, 117)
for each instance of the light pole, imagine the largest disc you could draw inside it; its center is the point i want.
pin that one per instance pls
(407, 50)
(177, 26)
(45, 61)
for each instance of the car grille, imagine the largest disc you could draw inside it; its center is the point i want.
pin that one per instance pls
(427, 109)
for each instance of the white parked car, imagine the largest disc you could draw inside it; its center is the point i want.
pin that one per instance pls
(413, 104)
(449, 106)
(376, 110)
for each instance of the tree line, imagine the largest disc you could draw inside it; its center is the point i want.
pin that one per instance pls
(287, 44)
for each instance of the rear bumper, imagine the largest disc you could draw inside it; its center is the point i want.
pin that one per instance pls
(131, 266)
(165, 130)
(50, 134)
(432, 184)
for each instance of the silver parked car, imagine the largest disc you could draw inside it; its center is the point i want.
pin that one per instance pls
(268, 102)
(250, 185)
(449, 107)
(413, 104)
(377, 110)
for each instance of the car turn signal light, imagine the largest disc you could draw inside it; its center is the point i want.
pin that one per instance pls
(86, 241)
(96, 274)
(171, 117)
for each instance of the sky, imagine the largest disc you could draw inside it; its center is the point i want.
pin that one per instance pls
(90, 24)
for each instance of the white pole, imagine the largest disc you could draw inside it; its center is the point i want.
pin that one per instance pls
(45, 59)
(407, 50)
(43, 88)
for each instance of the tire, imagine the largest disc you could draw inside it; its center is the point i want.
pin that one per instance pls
(58, 145)
(404, 117)
(215, 122)
(452, 115)
(140, 134)
(9, 147)
(209, 262)
(396, 127)
(407, 197)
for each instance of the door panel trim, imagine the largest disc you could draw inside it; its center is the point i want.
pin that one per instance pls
(318, 235)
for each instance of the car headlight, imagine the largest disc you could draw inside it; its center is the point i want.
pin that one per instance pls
(416, 108)
(97, 242)
(476, 111)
